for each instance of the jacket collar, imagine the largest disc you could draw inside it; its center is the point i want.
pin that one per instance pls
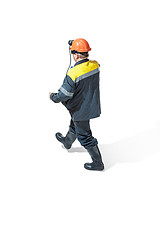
(81, 61)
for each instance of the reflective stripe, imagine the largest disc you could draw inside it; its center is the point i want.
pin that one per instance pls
(88, 74)
(65, 92)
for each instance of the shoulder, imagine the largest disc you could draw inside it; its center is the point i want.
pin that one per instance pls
(94, 63)
(82, 68)
(75, 71)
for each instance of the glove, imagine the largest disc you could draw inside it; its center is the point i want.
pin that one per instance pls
(54, 97)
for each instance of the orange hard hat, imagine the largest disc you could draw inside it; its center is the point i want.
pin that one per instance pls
(80, 45)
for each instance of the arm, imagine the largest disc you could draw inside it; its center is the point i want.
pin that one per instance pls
(65, 92)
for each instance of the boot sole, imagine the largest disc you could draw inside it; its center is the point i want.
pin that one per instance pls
(94, 169)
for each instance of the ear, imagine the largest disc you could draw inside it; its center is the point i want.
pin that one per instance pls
(76, 56)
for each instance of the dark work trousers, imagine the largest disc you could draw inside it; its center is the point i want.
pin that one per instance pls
(83, 133)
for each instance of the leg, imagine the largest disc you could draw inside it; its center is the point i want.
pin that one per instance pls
(86, 139)
(72, 127)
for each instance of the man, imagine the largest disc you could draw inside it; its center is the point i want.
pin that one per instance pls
(79, 93)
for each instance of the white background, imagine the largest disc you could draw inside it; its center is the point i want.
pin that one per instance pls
(45, 193)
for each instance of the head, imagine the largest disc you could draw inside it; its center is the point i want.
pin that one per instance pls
(79, 48)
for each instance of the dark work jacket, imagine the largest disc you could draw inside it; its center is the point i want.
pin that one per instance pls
(80, 91)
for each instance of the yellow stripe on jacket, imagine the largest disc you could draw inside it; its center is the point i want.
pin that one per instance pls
(82, 69)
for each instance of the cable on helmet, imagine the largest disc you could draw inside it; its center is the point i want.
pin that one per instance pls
(70, 44)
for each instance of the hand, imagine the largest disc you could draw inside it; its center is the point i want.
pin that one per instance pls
(53, 97)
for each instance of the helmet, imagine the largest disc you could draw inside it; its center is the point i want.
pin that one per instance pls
(80, 45)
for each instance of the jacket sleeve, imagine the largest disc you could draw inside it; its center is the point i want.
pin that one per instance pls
(66, 91)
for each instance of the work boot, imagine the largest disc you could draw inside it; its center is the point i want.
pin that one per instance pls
(97, 163)
(67, 140)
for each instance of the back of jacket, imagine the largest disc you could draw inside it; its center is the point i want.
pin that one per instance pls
(80, 91)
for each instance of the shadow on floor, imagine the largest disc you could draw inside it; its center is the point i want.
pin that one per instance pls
(132, 149)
